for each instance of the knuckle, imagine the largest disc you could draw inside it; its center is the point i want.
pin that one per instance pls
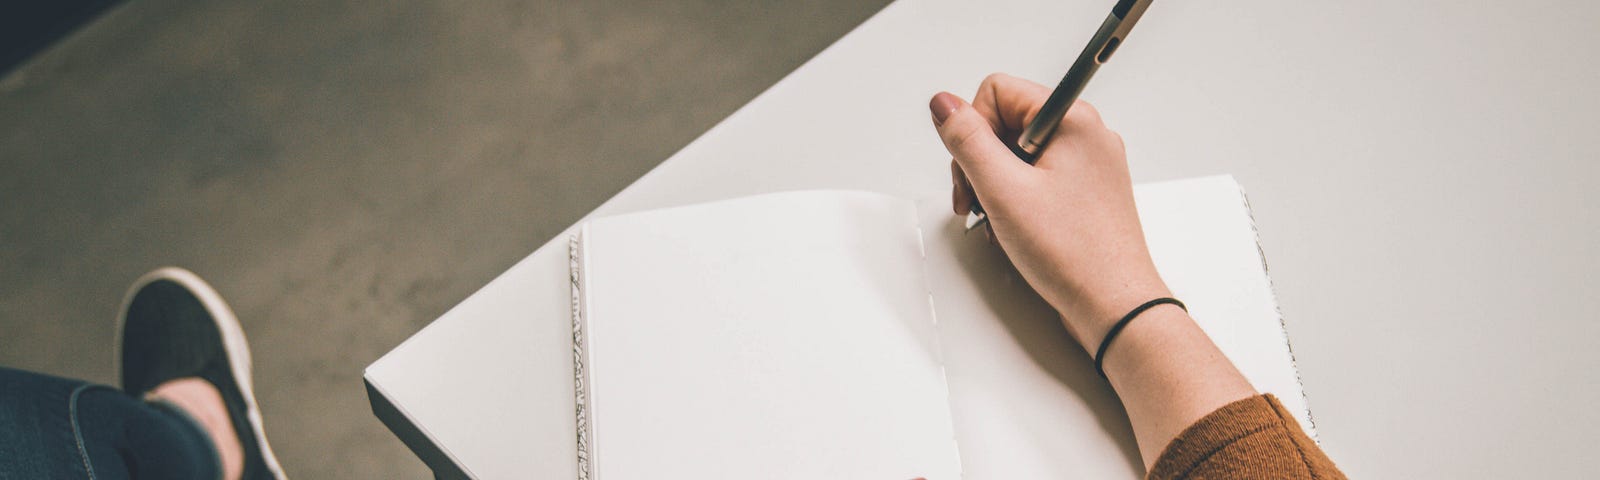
(993, 79)
(1087, 110)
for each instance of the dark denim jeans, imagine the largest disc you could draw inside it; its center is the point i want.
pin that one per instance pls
(57, 428)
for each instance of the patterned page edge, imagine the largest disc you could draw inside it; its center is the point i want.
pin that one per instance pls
(579, 355)
(1277, 308)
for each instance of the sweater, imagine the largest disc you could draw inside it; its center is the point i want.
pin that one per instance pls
(1250, 438)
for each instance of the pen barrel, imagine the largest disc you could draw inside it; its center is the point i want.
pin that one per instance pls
(1072, 84)
(1031, 142)
(1024, 152)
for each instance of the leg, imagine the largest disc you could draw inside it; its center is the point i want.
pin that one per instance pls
(186, 409)
(179, 341)
(53, 427)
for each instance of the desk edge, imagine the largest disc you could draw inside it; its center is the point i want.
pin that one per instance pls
(414, 437)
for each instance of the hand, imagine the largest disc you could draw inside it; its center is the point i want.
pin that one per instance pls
(1067, 222)
(1069, 225)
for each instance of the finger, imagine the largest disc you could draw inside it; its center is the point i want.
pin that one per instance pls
(1083, 117)
(961, 192)
(1009, 103)
(955, 200)
(977, 151)
(1083, 113)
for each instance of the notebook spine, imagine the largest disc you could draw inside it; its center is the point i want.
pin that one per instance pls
(933, 314)
(579, 355)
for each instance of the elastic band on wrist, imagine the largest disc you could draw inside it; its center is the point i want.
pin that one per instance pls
(1100, 356)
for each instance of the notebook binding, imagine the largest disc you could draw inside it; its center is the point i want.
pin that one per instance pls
(933, 314)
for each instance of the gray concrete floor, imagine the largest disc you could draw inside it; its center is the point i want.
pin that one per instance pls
(344, 172)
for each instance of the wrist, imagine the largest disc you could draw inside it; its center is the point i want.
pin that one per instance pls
(1090, 315)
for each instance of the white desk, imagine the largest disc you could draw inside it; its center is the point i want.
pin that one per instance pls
(1420, 173)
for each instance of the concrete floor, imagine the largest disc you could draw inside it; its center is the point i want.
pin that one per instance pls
(344, 172)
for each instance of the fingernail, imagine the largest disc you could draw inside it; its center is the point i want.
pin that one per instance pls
(942, 105)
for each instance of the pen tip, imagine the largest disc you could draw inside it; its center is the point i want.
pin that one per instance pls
(975, 220)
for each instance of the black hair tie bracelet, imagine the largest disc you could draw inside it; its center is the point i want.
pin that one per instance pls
(1100, 356)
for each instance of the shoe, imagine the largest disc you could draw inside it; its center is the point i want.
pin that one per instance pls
(174, 325)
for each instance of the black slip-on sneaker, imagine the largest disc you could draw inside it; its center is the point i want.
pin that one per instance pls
(173, 325)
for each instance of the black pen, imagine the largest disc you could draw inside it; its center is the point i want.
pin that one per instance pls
(1111, 34)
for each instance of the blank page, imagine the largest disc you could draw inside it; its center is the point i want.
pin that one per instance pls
(787, 335)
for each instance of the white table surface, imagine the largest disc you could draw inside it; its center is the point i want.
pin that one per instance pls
(1420, 174)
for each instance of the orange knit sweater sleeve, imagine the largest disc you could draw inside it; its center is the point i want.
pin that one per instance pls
(1250, 438)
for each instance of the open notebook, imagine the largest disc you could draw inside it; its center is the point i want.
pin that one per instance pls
(835, 334)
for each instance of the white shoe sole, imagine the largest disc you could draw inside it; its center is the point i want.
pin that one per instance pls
(232, 340)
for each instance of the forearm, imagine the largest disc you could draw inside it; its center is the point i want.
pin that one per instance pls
(1169, 374)
(1164, 368)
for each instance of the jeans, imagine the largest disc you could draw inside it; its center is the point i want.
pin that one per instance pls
(57, 428)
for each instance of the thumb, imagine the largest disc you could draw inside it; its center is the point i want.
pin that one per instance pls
(971, 140)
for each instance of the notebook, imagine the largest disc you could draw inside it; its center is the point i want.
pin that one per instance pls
(844, 334)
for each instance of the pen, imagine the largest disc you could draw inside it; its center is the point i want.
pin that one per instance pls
(1111, 34)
